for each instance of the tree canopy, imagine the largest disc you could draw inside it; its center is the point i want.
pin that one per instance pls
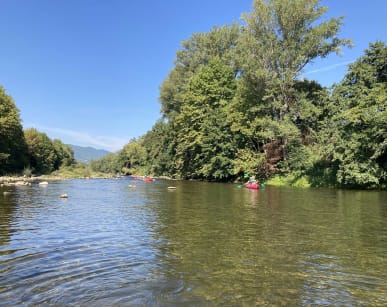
(29, 149)
(12, 143)
(357, 127)
(46, 155)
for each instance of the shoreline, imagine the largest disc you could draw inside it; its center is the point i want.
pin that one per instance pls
(23, 180)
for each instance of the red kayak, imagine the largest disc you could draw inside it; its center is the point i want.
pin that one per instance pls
(253, 186)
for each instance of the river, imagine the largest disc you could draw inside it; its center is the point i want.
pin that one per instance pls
(120, 242)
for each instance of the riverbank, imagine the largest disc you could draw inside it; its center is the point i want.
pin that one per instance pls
(24, 180)
(292, 180)
(15, 179)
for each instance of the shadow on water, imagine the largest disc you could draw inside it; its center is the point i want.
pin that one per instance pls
(199, 244)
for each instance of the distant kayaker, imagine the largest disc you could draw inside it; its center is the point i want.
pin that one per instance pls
(252, 180)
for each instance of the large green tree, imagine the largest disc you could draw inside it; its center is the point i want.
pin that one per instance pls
(205, 142)
(356, 131)
(279, 39)
(12, 143)
(183, 91)
(41, 150)
(160, 144)
(107, 164)
(132, 156)
(64, 154)
(196, 52)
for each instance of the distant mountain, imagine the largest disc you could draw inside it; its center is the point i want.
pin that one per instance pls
(86, 154)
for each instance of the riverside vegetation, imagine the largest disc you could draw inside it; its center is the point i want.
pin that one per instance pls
(234, 103)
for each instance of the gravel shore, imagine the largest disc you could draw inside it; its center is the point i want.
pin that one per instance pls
(23, 180)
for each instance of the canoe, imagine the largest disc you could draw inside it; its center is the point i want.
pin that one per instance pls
(253, 186)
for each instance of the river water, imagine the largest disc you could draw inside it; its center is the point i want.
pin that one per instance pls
(202, 244)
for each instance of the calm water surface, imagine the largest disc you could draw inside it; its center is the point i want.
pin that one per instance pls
(203, 244)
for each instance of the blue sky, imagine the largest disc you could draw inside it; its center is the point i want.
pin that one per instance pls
(88, 71)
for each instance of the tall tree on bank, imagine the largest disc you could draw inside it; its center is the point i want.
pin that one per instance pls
(197, 51)
(132, 156)
(279, 39)
(64, 154)
(160, 146)
(356, 130)
(205, 142)
(177, 96)
(13, 149)
(45, 155)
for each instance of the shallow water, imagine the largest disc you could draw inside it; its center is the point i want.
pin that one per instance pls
(202, 244)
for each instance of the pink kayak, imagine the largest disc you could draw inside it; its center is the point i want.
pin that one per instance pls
(254, 186)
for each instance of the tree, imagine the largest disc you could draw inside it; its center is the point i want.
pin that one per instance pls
(358, 130)
(64, 154)
(196, 52)
(205, 143)
(177, 96)
(132, 156)
(41, 151)
(160, 145)
(279, 39)
(106, 164)
(12, 143)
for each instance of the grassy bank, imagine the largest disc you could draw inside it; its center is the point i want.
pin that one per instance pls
(305, 181)
(79, 171)
(290, 180)
(68, 172)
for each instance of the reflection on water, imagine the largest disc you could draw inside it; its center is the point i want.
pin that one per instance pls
(201, 244)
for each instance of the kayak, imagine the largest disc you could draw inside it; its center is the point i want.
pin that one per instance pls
(253, 186)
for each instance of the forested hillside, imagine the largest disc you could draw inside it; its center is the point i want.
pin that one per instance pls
(234, 103)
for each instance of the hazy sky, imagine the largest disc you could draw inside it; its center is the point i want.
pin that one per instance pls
(89, 71)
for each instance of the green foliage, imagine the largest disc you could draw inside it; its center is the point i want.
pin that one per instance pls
(13, 147)
(300, 158)
(41, 151)
(292, 180)
(27, 171)
(28, 151)
(77, 170)
(233, 105)
(357, 130)
(107, 164)
(127, 161)
(194, 98)
(204, 141)
(64, 154)
(160, 146)
(132, 156)
(250, 162)
(274, 113)
(46, 155)
(196, 52)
